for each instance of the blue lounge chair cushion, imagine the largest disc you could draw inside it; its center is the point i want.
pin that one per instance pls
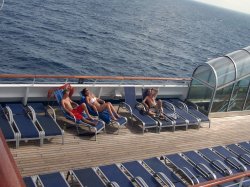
(5, 127)
(25, 126)
(113, 173)
(49, 125)
(29, 182)
(88, 177)
(137, 170)
(17, 108)
(53, 179)
(157, 166)
(38, 107)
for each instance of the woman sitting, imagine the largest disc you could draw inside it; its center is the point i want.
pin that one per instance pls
(153, 107)
(99, 105)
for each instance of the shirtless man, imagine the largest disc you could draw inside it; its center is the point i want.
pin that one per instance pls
(99, 105)
(77, 111)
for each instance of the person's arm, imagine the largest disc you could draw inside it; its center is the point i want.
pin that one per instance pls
(144, 102)
(100, 100)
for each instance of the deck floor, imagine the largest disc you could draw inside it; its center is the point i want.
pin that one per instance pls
(130, 144)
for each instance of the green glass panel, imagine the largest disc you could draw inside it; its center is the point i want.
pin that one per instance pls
(221, 99)
(205, 74)
(239, 95)
(225, 70)
(200, 95)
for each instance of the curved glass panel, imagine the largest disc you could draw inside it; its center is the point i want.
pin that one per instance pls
(239, 95)
(247, 48)
(205, 74)
(242, 61)
(225, 70)
(247, 107)
(221, 99)
(200, 95)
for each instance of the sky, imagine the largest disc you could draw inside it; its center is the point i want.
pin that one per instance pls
(242, 6)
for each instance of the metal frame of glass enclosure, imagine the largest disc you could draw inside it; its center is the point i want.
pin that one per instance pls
(223, 83)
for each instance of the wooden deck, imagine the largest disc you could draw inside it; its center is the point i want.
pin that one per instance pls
(130, 144)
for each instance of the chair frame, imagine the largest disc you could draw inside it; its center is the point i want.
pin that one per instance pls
(32, 114)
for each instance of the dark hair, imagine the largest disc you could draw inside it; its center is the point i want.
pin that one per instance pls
(84, 90)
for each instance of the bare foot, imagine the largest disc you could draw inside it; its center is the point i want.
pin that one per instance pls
(117, 115)
(113, 118)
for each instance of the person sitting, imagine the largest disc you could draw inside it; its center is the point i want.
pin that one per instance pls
(77, 110)
(153, 107)
(98, 104)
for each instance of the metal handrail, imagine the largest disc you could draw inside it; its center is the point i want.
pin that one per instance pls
(223, 180)
(91, 77)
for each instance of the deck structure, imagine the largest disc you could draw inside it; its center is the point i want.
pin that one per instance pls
(130, 144)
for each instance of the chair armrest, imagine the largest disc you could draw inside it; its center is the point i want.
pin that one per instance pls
(246, 158)
(9, 114)
(32, 113)
(127, 106)
(203, 168)
(235, 162)
(140, 182)
(168, 104)
(187, 172)
(165, 179)
(53, 111)
(114, 184)
(222, 167)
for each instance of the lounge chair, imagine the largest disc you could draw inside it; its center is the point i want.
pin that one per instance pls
(7, 129)
(104, 115)
(24, 125)
(169, 111)
(203, 165)
(87, 177)
(114, 175)
(230, 158)
(243, 155)
(193, 175)
(139, 174)
(52, 180)
(45, 120)
(163, 172)
(98, 128)
(245, 146)
(130, 104)
(192, 109)
(164, 122)
(29, 182)
(183, 113)
(218, 162)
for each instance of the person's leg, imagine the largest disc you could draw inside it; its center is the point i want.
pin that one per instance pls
(107, 106)
(84, 108)
(89, 122)
(113, 110)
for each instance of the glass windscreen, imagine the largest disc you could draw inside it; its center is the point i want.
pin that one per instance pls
(221, 100)
(205, 74)
(200, 95)
(239, 95)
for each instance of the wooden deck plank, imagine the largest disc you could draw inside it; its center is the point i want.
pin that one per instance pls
(130, 144)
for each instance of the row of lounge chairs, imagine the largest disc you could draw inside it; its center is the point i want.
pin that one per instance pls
(180, 170)
(176, 112)
(34, 122)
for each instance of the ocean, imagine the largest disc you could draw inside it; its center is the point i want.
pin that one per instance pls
(160, 38)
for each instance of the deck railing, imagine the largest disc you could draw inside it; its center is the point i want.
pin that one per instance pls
(27, 78)
(239, 176)
(9, 174)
